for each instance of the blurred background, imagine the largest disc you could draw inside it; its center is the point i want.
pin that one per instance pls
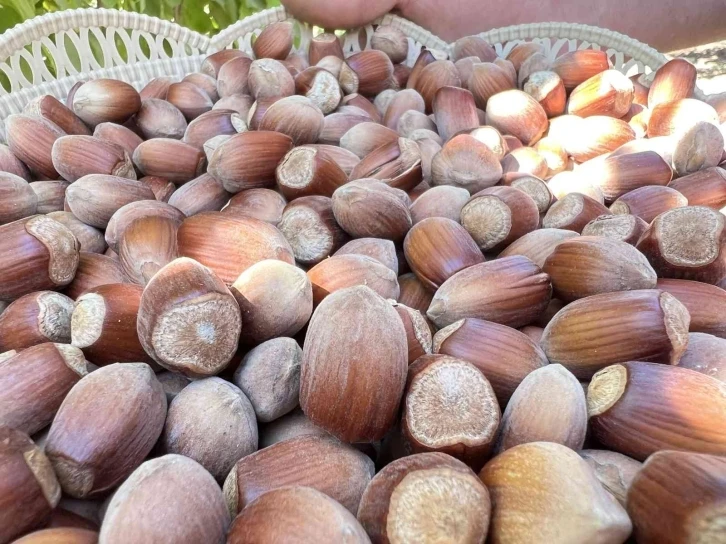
(205, 16)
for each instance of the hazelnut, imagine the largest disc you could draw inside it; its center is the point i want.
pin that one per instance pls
(147, 244)
(263, 204)
(383, 251)
(230, 244)
(675, 80)
(105, 100)
(449, 407)
(626, 228)
(320, 462)
(40, 254)
(547, 406)
(687, 243)
(589, 265)
(308, 170)
(343, 271)
(512, 291)
(95, 270)
(639, 408)
(35, 382)
(127, 214)
(189, 99)
(274, 42)
(651, 325)
(543, 490)
(160, 119)
(30, 140)
(50, 108)
(538, 244)
(503, 354)
(269, 375)
(324, 45)
(138, 511)
(706, 304)
(648, 202)
(18, 199)
(202, 194)
(91, 451)
(497, 216)
(248, 160)
(275, 298)
(297, 513)
(442, 495)
(578, 66)
(96, 197)
(188, 320)
(43, 316)
(28, 486)
(379, 346)
(437, 248)
(212, 64)
(212, 422)
(369, 208)
(705, 354)
(104, 324)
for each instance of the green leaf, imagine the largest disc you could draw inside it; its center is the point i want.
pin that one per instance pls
(24, 8)
(8, 18)
(193, 16)
(220, 15)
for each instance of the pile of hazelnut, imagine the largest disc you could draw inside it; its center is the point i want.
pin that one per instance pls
(307, 298)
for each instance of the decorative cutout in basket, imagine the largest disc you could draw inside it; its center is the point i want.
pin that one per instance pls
(84, 44)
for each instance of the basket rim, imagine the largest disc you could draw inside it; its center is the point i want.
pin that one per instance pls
(25, 33)
(32, 29)
(577, 31)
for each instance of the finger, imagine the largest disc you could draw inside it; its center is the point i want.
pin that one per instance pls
(338, 14)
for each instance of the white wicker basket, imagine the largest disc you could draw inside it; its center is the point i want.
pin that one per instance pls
(82, 44)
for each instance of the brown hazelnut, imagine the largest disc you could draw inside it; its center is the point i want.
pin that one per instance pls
(28, 486)
(230, 244)
(705, 303)
(138, 511)
(512, 291)
(103, 100)
(43, 316)
(35, 382)
(263, 204)
(50, 195)
(275, 298)
(543, 490)
(450, 407)
(379, 345)
(94, 270)
(371, 209)
(297, 513)
(589, 265)
(188, 320)
(503, 354)
(437, 248)
(639, 408)
(687, 243)
(202, 194)
(321, 462)
(212, 422)
(651, 325)
(269, 375)
(547, 406)
(40, 254)
(96, 197)
(92, 451)
(104, 324)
